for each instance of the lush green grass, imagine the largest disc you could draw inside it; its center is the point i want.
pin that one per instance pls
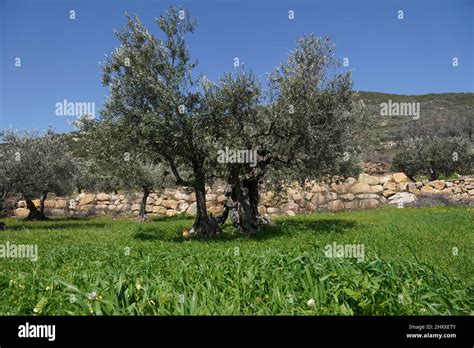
(409, 266)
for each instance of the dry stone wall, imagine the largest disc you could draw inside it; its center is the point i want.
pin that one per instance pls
(366, 192)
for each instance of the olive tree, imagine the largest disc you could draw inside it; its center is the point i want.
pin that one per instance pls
(36, 165)
(154, 98)
(307, 126)
(434, 156)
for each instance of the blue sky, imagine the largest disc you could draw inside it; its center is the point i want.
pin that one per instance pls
(59, 56)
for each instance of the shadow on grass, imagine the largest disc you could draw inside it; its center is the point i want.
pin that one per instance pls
(172, 233)
(56, 224)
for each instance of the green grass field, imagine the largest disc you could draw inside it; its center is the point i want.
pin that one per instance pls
(102, 266)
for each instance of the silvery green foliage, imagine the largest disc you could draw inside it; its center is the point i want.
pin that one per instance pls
(305, 126)
(113, 163)
(36, 163)
(435, 156)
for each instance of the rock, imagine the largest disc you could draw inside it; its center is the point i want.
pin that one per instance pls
(181, 196)
(317, 189)
(340, 188)
(21, 213)
(290, 213)
(449, 184)
(457, 189)
(22, 204)
(402, 187)
(103, 197)
(135, 207)
(221, 199)
(57, 212)
(351, 205)
(171, 212)
(400, 177)
(72, 204)
(376, 188)
(402, 198)
(170, 204)
(87, 199)
(61, 204)
(36, 202)
(351, 181)
(360, 188)
(368, 196)
(347, 197)
(330, 196)
(447, 191)
(183, 207)
(308, 196)
(391, 186)
(427, 190)
(336, 205)
(438, 184)
(49, 203)
(386, 178)
(318, 199)
(368, 203)
(273, 210)
(262, 210)
(368, 179)
(159, 210)
(388, 193)
(148, 208)
(192, 209)
(471, 192)
(150, 200)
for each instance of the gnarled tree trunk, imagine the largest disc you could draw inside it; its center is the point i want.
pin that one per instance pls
(204, 224)
(142, 213)
(242, 206)
(34, 214)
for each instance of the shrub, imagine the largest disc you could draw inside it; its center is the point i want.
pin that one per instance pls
(434, 157)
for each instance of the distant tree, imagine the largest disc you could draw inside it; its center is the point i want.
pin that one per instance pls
(37, 165)
(114, 163)
(434, 156)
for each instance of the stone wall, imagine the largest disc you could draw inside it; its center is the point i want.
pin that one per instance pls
(366, 192)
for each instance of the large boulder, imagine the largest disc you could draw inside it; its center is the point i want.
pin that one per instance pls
(438, 184)
(103, 196)
(427, 190)
(169, 204)
(400, 177)
(360, 188)
(336, 205)
(368, 179)
(61, 204)
(87, 199)
(21, 213)
(401, 198)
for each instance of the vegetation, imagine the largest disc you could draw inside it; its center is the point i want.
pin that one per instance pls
(35, 165)
(434, 157)
(103, 266)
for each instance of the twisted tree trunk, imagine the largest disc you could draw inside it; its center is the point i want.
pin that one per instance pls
(142, 213)
(34, 213)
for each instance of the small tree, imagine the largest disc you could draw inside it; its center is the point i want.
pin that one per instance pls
(117, 164)
(434, 157)
(38, 165)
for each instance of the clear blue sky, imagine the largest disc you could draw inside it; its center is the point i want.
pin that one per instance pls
(60, 56)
